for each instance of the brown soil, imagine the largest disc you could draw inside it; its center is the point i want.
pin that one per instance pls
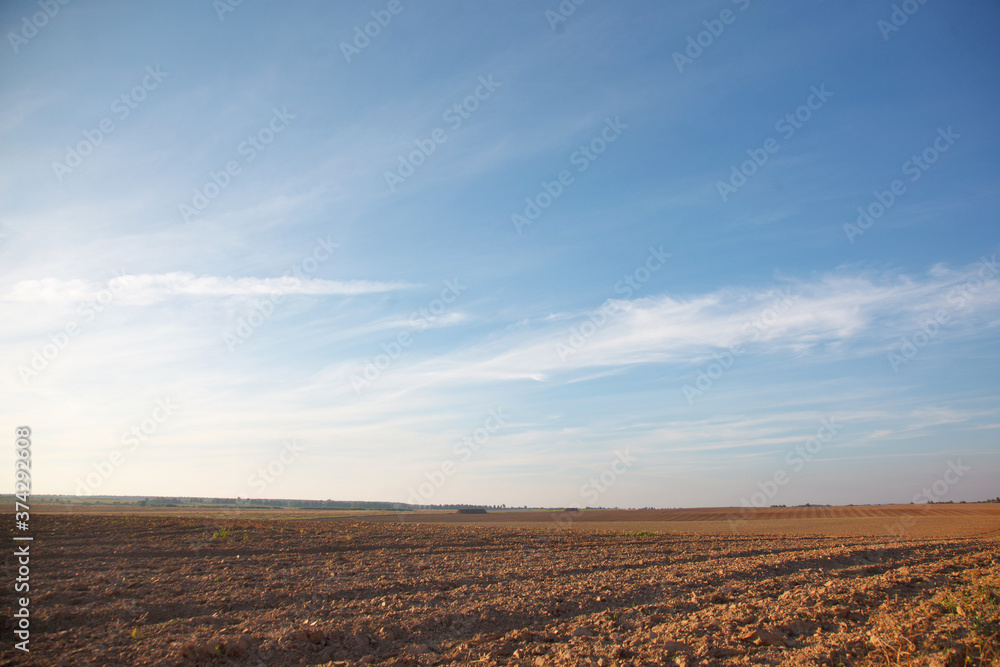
(914, 521)
(152, 590)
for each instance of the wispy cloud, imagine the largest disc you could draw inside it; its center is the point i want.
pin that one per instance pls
(151, 288)
(822, 316)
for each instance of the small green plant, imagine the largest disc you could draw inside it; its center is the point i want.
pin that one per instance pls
(222, 534)
(910, 634)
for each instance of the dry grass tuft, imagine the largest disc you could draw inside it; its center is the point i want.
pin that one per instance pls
(959, 628)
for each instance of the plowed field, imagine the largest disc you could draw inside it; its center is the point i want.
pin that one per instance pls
(529, 588)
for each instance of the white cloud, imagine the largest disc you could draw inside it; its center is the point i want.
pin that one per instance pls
(826, 315)
(150, 288)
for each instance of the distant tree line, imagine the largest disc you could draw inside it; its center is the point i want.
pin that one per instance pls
(182, 501)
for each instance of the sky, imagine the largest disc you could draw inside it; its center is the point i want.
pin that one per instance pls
(634, 254)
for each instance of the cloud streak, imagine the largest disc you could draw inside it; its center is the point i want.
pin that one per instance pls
(823, 316)
(150, 288)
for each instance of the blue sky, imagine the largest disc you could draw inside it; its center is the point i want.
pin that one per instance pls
(490, 253)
